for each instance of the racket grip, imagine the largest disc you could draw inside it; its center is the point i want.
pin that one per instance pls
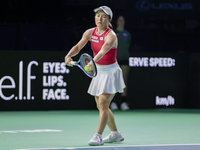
(73, 62)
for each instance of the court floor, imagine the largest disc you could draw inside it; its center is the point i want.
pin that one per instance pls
(155, 129)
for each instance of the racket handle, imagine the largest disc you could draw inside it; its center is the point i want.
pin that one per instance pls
(73, 62)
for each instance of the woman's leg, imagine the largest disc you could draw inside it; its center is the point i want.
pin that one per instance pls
(111, 122)
(105, 114)
(105, 117)
(125, 70)
(124, 104)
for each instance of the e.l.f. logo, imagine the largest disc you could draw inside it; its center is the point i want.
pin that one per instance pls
(13, 85)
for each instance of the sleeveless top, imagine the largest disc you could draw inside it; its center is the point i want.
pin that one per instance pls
(97, 41)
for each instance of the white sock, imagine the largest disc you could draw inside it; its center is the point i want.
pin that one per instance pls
(114, 132)
(99, 135)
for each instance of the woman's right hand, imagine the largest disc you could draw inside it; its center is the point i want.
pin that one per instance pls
(68, 60)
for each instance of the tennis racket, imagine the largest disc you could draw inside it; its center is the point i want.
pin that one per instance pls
(83, 61)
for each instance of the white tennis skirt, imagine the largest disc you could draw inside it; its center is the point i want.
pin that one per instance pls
(109, 80)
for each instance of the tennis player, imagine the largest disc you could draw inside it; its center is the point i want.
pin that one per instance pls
(109, 79)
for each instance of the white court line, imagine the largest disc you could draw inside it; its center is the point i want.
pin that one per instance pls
(31, 131)
(110, 146)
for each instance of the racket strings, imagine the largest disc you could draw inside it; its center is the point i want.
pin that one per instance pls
(86, 59)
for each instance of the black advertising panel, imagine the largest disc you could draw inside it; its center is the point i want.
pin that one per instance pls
(158, 80)
(39, 80)
(194, 84)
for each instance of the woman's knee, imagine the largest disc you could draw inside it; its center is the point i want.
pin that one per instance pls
(103, 101)
(103, 104)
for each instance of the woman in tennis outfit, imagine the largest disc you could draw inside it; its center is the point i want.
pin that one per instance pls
(109, 79)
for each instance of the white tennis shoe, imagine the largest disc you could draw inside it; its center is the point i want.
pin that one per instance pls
(113, 137)
(96, 140)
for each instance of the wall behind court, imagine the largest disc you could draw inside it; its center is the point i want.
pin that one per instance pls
(39, 80)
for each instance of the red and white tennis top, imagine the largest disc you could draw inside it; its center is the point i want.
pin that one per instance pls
(97, 41)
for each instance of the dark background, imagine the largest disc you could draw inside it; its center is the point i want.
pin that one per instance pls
(158, 28)
(145, 83)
